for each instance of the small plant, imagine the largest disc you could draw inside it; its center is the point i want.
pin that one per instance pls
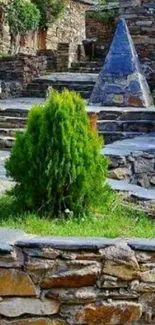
(56, 163)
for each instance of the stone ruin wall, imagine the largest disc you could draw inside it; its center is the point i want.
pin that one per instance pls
(140, 18)
(69, 28)
(53, 281)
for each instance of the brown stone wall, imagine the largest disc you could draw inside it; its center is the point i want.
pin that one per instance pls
(103, 32)
(140, 17)
(70, 28)
(53, 281)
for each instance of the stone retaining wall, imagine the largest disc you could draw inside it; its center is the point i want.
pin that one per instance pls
(60, 281)
(17, 71)
(138, 168)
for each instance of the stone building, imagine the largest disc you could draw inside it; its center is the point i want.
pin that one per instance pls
(70, 28)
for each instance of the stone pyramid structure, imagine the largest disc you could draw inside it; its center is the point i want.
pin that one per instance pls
(121, 81)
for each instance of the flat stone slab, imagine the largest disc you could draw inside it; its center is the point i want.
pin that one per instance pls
(88, 244)
(67, 243)
(125, 147)
(134, 190)
(69, 77)
(22, 103)
(113, 109)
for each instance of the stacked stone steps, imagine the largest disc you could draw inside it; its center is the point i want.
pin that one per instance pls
(82, 83)
(86, 67)
(40, 89)
(121, 123)
(8, 122)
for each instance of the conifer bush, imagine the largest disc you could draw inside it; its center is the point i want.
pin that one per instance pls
(56, 163)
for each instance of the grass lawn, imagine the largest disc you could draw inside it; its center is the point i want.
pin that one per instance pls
(112, 219)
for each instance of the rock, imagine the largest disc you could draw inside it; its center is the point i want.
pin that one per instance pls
(109, 282)
(119, 252)
(123, 270)
(86, 276)
(45, 252)
(119, 173)
(152, 180)
(148, 276)
(143, 165)
(120, 261)
(36, 264)
(142, 287)
(109, 313)
(34, 321)
(16, 283)
(143, 181)
(15, 307)
(74, 296)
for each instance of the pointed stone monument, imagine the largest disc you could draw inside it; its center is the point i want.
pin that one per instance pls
(121, 81)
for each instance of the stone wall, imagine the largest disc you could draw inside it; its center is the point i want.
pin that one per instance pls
(102, 29)
(69, 28)
(140, 17)
(17, 71)
(58, 281)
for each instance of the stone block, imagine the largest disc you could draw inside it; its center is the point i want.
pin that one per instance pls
(112, 313)
(16, 283)
(15, 307)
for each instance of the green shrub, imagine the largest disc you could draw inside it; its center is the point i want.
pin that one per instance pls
(56, 162)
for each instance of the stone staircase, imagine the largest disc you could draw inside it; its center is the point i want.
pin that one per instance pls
(113, 123)
(86, 66)
(82, 83)
(116, 123)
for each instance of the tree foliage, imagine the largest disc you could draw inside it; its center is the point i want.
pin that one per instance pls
(56, 163)
(22, 16)
(50, 10)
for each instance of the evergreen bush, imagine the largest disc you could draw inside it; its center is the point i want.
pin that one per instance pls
(56, 163)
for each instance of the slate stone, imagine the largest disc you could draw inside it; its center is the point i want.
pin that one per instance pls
(142, 244)
(67, 243)
(121, 80)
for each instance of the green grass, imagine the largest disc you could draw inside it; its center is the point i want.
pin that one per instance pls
(112, 219)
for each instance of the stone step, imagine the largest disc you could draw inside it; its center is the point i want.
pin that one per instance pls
(87, 64)
(13, 112)
(122, 114)
(127, 126)
(85, 70)
(111, 136)
(60, 86)
(37, 93)
(6, 142)
(8, 122)
(10, 132)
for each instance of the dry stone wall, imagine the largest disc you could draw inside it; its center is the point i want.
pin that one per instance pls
(60, 281)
